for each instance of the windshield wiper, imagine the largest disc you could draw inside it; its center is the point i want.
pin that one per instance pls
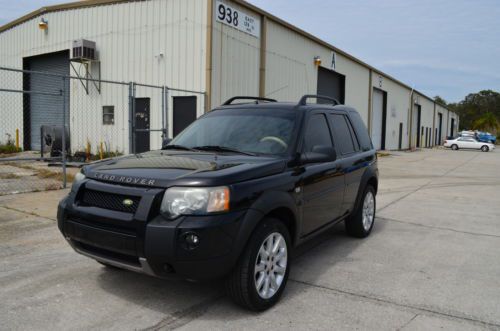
(222, 149)
(184, 148)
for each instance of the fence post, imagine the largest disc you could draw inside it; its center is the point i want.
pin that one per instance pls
(165, 127)
(63, 94)
(131, 118)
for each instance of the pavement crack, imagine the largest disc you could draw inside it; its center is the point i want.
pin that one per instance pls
(27, 213)
(408, 322)
(419, 309)
(439, 227)
(184, 316)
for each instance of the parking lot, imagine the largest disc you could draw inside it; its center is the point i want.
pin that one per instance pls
(432, 262)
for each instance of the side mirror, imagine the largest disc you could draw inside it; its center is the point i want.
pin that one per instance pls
(319, 153)
(165, 142)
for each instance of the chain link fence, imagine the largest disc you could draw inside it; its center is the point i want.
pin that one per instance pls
(52, 124)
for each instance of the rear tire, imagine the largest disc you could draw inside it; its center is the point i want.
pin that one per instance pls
(261, 274)
(360, 223)
(454, 147)
(485, 148)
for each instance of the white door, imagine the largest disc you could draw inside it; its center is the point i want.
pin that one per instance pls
(377, 118)
(414, 126)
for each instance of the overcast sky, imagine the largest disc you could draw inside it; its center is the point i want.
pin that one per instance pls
(440, 47)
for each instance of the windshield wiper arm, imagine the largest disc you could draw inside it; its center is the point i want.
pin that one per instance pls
(222, 149)
(184, 148)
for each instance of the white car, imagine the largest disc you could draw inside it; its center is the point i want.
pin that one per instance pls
(468, 143)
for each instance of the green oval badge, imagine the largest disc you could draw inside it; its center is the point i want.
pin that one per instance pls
(127, 202)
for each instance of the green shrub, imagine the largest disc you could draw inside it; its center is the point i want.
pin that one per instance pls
(9, 147)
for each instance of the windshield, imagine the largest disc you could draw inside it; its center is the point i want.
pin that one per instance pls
(248, 132)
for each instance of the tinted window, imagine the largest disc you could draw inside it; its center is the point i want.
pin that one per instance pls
(342, 134)
(317, 133)
(261, 131)
(361, 131)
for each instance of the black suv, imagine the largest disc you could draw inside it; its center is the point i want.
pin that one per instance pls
(230, 196)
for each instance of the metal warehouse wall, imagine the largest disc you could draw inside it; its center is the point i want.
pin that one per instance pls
(130, 37)
(235, 61)
(398, 106)
(291, 73)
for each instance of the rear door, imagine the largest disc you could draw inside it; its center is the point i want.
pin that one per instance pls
(322, 183)
(348, 157)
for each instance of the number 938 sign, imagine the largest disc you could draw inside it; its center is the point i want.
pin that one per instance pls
(237, 19)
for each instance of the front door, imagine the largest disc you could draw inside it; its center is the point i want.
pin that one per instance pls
(322, 183)
(184, 113)
(142, 125)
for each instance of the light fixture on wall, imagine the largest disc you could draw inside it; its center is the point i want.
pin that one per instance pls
(43, 24)
(317, 61)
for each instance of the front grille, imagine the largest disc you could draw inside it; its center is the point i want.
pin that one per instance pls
(91, 198)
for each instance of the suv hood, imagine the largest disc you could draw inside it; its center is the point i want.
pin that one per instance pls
(179, 168)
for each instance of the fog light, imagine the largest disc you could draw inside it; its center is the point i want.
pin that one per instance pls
(192, 239)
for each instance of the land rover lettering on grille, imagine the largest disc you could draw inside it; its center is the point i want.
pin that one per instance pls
(125, 179)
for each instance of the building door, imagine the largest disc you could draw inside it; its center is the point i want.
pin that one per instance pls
(142, 125)
(331, 84)
(45, 109)
(426, 137)
(452, 129)
(400, 141)
(379, 115)
(440, 126)
(416, 124)
(184, 113)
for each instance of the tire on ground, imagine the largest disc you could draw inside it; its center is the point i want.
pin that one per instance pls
(240, 285)
(354, 223)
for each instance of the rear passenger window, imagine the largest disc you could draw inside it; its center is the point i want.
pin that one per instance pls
(317, 133)
(361, 131)
(342, 133)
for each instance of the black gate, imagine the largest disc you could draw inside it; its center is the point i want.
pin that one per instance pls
(142, 125)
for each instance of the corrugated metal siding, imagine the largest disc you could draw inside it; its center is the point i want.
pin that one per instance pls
(129, 37)
(45, 109)
(398, 104)
(235, 61)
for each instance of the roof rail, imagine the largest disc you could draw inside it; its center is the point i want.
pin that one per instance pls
(257, 99)
(303, 100)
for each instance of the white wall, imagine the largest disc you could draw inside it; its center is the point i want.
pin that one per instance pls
(398, 104)
(130, 37)
(235, 61)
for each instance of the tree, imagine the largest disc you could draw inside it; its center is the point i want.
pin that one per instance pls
(440, 100)
(487, 122)
(475, 106)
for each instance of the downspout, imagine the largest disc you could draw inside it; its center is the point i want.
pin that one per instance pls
(263, 50)
(208, 64)
(409, 128)
(433, 133)
(370, 106)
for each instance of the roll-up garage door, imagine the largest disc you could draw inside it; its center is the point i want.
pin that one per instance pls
(331, 84)
(378, 125)
(47, 109)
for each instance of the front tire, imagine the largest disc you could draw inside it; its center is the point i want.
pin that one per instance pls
(485, 148)
(454, 147)
(360, 223)
(261, 274)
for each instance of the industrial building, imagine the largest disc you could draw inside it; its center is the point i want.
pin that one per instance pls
(220, 48)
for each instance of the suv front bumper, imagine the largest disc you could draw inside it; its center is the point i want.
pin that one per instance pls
(159, 247)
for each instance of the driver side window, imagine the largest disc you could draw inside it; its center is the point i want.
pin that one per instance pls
(317, 133)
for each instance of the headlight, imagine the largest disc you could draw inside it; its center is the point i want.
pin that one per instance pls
(195, 200)
(78, 177)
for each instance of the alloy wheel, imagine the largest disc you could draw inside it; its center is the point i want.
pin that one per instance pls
(270, 265)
